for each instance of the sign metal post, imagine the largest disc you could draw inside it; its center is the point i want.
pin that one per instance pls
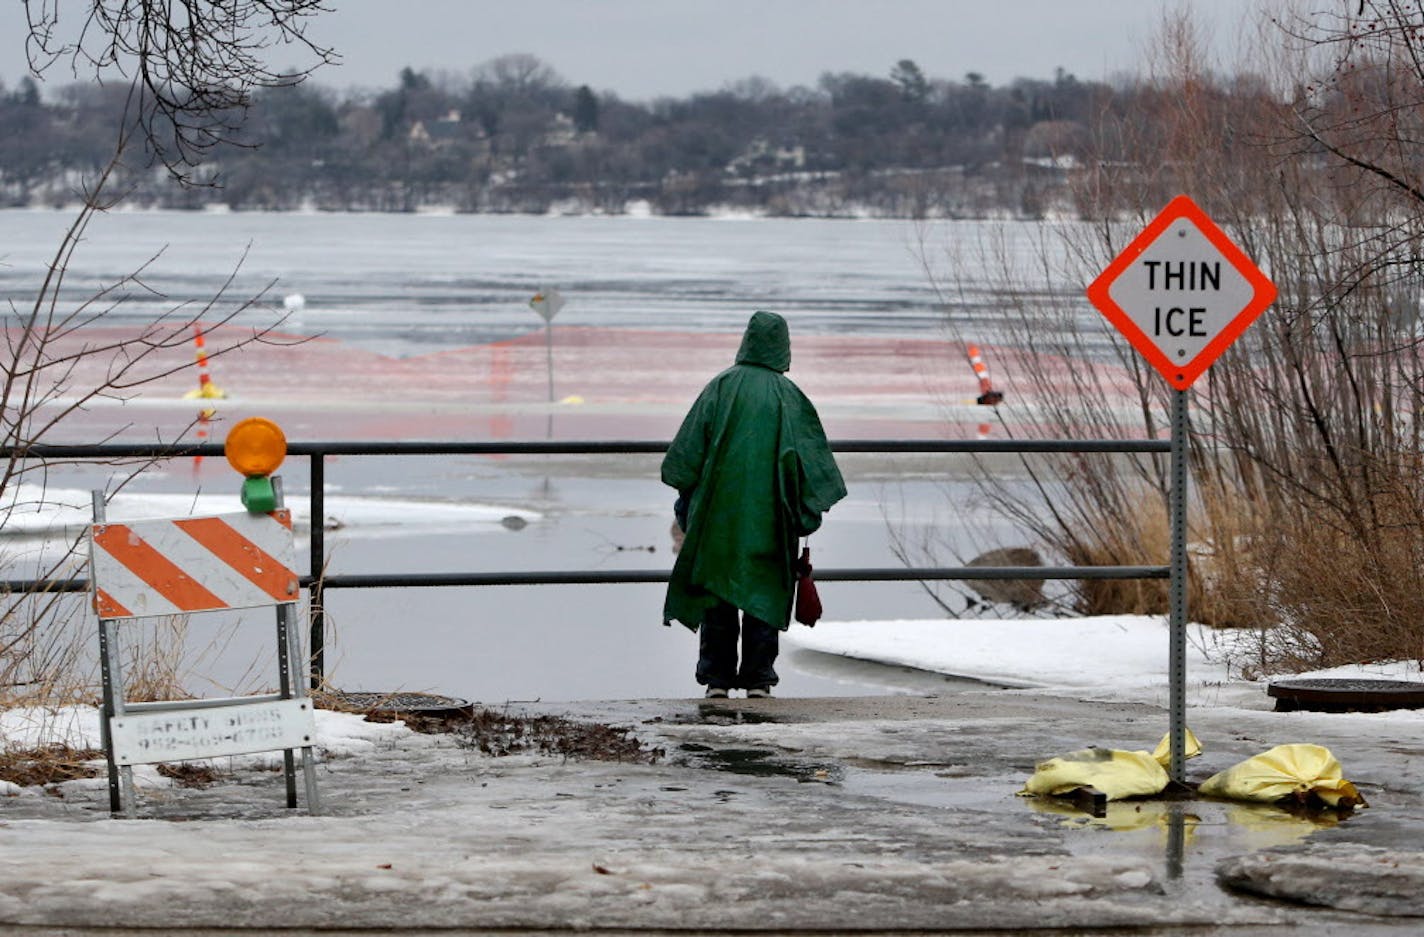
(547, 304)
(1177, 591)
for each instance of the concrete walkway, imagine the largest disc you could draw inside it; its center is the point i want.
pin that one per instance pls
(858, 814)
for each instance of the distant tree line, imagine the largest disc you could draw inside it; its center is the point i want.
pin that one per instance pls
(513, 136)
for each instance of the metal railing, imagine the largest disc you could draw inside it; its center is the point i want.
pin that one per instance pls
(317, 452)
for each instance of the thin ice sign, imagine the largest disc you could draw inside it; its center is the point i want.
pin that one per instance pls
(1181, 292)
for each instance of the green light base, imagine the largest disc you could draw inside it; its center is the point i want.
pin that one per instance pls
(258, 495)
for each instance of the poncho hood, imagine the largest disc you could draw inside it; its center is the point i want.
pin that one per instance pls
(767, 342)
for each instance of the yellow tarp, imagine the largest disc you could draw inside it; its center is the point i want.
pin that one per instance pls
(1117, 774)
(1297, 772)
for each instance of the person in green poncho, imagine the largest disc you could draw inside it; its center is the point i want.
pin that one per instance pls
(754, 473)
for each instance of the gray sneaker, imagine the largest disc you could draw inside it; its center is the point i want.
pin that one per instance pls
(759, 692)
(715, 692)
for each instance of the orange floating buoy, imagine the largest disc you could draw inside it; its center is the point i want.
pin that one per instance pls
(988, 396)
(207, 390)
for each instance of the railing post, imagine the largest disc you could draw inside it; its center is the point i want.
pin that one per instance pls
(315, 606)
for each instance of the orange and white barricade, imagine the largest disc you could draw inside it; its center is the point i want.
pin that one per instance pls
(192, 565)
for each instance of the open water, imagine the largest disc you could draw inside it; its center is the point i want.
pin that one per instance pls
(416, 285)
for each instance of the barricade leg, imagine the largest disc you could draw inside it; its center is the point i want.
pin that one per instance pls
(284, 669)
(289, 650)
(106, 713)
(128, 797)
(289, 771)
(308, 751)
(309, 777)
(121, 786)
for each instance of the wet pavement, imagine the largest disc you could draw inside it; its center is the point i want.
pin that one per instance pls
(834, 814)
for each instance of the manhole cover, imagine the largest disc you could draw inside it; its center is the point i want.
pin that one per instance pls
(1345, 695)
(414, 704)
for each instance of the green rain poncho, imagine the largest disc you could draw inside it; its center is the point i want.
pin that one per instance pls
(753, 466)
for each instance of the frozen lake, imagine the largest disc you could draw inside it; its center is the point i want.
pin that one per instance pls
(412, 283)
(407, 305)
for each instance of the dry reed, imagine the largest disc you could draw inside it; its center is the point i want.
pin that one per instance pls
(1306, 520)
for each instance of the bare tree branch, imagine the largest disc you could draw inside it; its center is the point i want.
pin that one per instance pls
(192, 66)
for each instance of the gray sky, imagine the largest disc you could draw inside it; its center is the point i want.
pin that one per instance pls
(642, 49)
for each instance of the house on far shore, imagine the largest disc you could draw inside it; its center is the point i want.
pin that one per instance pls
(442, 131)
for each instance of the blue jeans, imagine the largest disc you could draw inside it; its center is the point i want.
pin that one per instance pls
(717, 658)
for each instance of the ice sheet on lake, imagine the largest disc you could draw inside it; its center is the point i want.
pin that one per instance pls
(34, 511)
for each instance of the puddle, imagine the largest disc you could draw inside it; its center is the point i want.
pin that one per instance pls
(894, 678)
(1253, 826)
(1182, 840)
(760, 763)
(931, 785)
(1188, 836)
(721, 714)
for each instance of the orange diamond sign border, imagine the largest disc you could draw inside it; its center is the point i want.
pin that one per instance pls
(1166, 292)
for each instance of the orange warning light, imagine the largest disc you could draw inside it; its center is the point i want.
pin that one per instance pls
(255, 446)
